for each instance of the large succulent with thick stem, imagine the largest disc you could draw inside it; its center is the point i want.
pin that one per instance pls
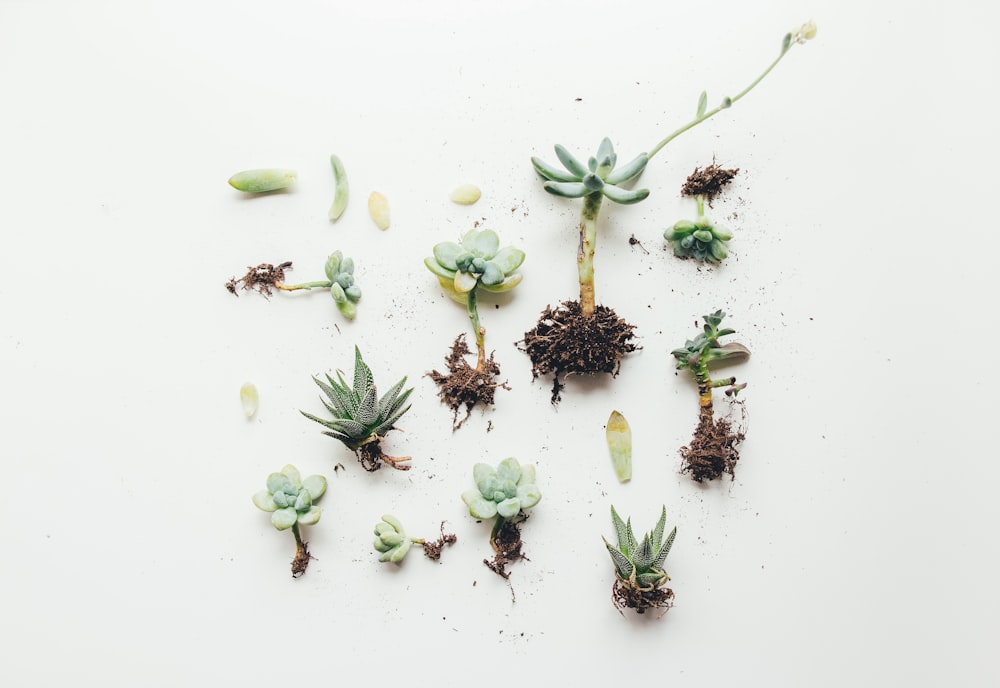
(639, 565)
(360, 417)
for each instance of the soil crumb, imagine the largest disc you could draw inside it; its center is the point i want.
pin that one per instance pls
(713, 449)
(464, 385)
(372, 457)
(260, 279)
(627, 595)
(301, 561)
(432, 550)
(564, 341)
(708, 181)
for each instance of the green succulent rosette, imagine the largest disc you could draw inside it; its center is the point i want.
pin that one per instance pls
(478, 261)
(702, 240)
(599, 175)
(504, 491)
(290, 499)
(391, 540)
(346, 294)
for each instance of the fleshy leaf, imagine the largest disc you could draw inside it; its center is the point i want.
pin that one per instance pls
(623, 196)
(508, 259)
(619, 436)
(465, 282)
(527, 474)
(508, 284)
(311, 517)
(622, 564)
(279, 482)
(481, 472)
(434, 266)
(315, 485)
(483, 243)
(446, 252)
(400, 552)
(551, 172)
(509, 469)
(303, 502)
(566, 189)
(479, 506)
(283, 519)
(529, 495)
(570, 162)
(492, 275)
(509, 508)
(264, 501)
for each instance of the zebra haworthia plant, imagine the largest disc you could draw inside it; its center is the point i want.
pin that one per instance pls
(640, 577)
(360, 417)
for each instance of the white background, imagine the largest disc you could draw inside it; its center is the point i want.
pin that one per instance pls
(856, 545)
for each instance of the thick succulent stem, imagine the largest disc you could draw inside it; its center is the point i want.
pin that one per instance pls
(302, 556)
(585, 251)
(705, 385)
(701, 206)
(304, 285)
(479, 331)
(728, 102)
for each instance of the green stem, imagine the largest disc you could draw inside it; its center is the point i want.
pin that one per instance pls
(726, 103)
(479, 331)
(705, 385)
(701, 206)
(493, 533)
(304, 285)
(299, 546)
(585, 251)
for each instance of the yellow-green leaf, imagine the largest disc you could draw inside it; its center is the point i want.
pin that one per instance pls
(620, 445)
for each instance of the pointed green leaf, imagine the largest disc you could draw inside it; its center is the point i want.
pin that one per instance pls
(351, 428)
(622, 564)
(620, 532)
(665, 550)
(606, 152)
(570, 162)
(653, 579)
(624, 196)
(389, 398)
(368, 409)
(619, 437)
(657, 534)
(566, 189)
(362, 375)
(629, 171)
(551, 172)
(508, 284)
(702, 104)
(643, 557)
(387, 425)
(630, 537)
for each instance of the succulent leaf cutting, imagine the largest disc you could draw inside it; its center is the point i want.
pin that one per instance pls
(291, 503)
(463, 269)
(640, 579)
(505, 494)
(361, 418)
(714, 448)
(582, 336)
(392, 543)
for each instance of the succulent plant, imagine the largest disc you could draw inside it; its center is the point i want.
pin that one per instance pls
(291, 502)
(599, 175)
(702, 239)
(477, 262)
(640, 577)
(345, 293)
(360, 417)
(713, 450)
(505, 491)
(391, 539)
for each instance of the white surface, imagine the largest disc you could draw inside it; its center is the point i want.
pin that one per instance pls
(856, 545)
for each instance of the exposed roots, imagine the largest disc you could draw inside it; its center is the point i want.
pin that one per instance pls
(465, 385)
(627, 595)
(301, 561)
(713, 449)
(708, 182)
(261, 279)
(432, 550)
(506, 543)
(564, 342)
(371, 457)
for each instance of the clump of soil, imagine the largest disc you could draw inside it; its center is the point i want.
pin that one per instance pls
(627, 595)
(465, 385)
(372, 457)
(301, 561)
(260, 279)
(708, 182)
(432, 550)
(564, 341)
(506, 541)
(713, 449)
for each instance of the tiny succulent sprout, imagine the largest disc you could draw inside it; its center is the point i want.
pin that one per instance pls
(702, 239)
(378, 209)
(504, 493)
(259, 181)
(713, 449)
(463, 269)
(291, 503)
(640, 579)
(466, 194)
(345, 293)
(360, 417)
(392, 542)
(249, 399)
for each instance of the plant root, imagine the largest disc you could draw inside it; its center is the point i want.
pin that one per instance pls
(713, 448)
(301, 561)
(371, 457)
(261, 279)
(432, 550)
(627, 595)
(464, 385)
(564, 342)
(708, 182)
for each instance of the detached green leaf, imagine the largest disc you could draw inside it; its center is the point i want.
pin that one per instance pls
(702, 103)
(619, 436)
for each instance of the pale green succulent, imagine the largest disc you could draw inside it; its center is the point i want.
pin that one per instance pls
(391, 539)
(360, 417)
(290, 499)
(477, 262)
(641, 563)
(702, 239)
(346, 294)
(599, 175)
(505, 491)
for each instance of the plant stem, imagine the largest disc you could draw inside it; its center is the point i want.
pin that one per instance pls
(726, 103)
(585, 251)
(299, 546)
(705, 385)
(493, 533)
(479, 331)
(304, 285)
(701, 206)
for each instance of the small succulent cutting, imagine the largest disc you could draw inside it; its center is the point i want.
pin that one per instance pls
(339, 282)
(393, 544)
(361, 418)
(713, 449)
(640, 581)
(291, 502)
(581, 336)
(477, 263)
(505, 494)
(703, 239)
